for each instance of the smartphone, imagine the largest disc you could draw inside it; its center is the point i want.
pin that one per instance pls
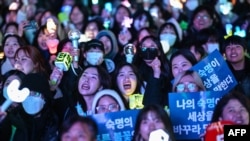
(158, 135)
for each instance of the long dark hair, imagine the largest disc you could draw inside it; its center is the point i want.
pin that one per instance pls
(164, 62)
(161, 113)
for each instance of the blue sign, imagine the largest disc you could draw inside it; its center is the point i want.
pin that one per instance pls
(116, 126)
(190, 113)
(215, 73)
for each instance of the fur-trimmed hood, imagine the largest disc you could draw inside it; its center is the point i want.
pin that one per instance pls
(111, 93)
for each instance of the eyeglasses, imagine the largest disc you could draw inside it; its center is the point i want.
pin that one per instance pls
(111, 107)
(190, 87)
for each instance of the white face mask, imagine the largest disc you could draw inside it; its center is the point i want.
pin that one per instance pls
(94, 58)
(211, 47)
(191, 4)
(5, 95)
(33, 104)
(170, 38)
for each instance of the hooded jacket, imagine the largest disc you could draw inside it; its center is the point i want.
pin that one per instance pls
(111, 55)
(108, 92)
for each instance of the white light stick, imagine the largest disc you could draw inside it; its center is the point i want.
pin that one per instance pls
(14, 94)
(126, 23)
(74, 36)
(176, 4)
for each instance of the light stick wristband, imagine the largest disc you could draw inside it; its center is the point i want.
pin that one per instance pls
(62, 62)
(14, 94)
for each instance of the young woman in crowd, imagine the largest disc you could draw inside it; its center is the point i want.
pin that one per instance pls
(120, 12)
(5, 122)
(127, 81)
(35, 119)
(154, 69)
(181, 60)
(188, 81)
(10, 44)
(107, 100)
(169, 37)
(28, 59)
(89, 82)
(78, 18)
(151, 118)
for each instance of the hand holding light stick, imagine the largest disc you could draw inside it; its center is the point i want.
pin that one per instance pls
(74, 36)
(14, 94)
(62, 62)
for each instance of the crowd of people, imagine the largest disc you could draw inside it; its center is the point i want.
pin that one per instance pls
(80, 58)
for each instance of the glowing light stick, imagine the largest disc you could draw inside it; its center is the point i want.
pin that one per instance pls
(177, 3)
(129, 51)
(126, 23)
(74, 35)
(51, 25)
(14, 94)
(62, 62)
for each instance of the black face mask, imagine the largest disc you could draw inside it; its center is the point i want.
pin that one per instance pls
(149, 53)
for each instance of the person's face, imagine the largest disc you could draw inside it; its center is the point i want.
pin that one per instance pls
(168, 29)
(126, 80)
(68, 47)
(234, 111)
(43, 37)
(202, 20)
(10, 47)
(179, 64)
(107, 44)
(196, 54)
(150, 123)
(120, 14)
(234, 53)
(12, 29)
(76, 16)
(89, 82)
(187, 84)
(91, 30)
(24, 63)
(78, 131)
(149, 43)
(107, 104)
(143, 34)
(141, 22)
